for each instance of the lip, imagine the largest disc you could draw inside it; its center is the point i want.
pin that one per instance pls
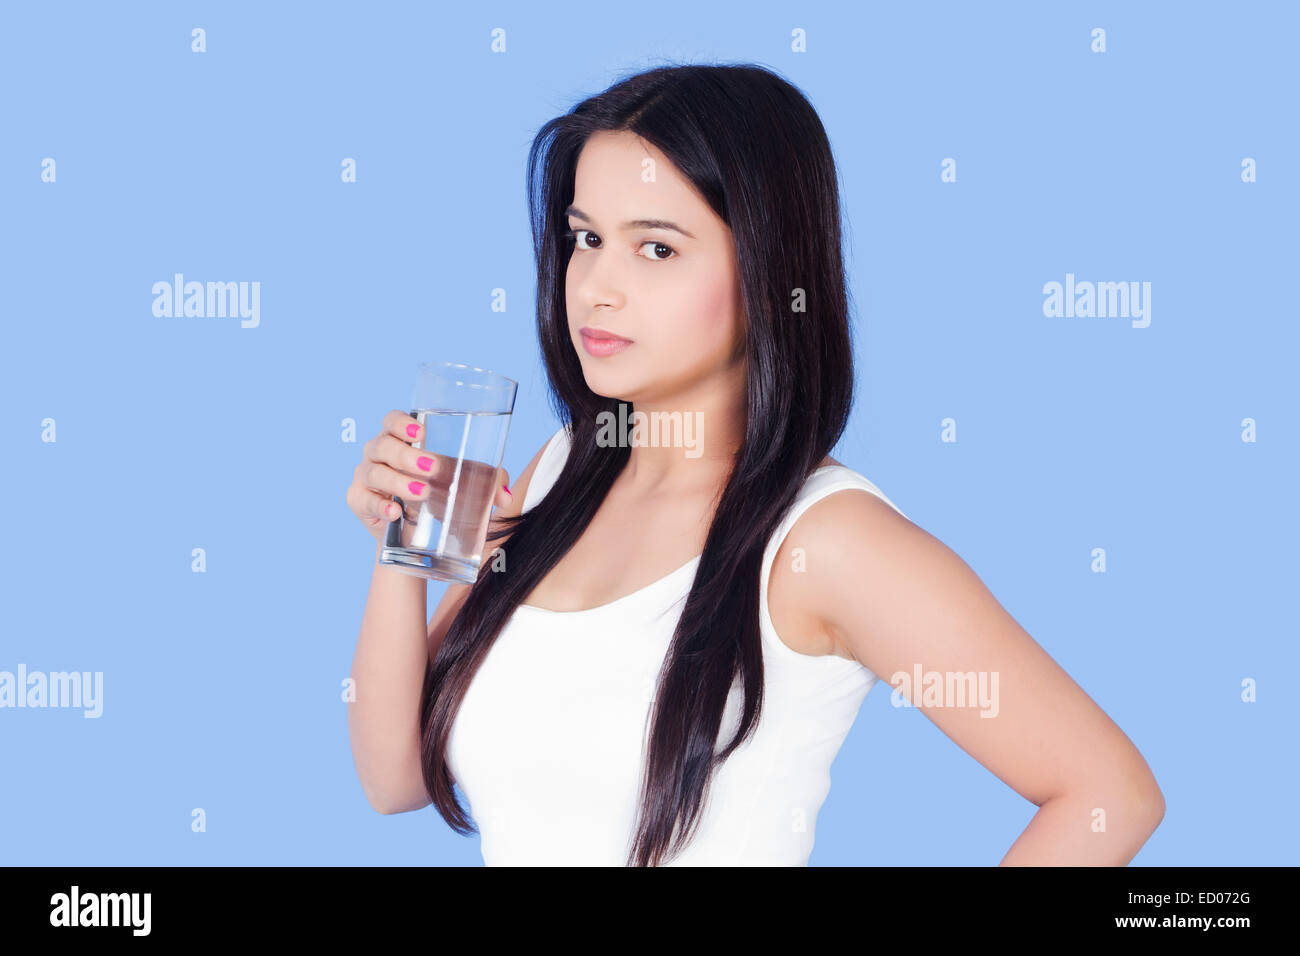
(598, 342)
(600, 334)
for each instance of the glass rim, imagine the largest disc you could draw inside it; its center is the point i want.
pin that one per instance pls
(504, 380)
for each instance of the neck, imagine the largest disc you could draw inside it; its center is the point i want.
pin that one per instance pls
(683, 444)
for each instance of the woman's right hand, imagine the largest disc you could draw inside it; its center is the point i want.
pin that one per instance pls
(388, 467)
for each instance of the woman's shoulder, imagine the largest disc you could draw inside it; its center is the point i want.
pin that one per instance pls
(806, 551)
(829, 477)
(547, 465)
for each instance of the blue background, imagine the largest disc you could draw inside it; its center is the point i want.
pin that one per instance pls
(222, 689)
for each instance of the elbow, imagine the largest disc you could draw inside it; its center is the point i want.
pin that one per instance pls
(388, 805)
(377, 801)
(1131, 799)
(1155, 805)
(388, 809)
(1146, 803)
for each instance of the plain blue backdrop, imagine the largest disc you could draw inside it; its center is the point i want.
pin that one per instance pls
(222, 689)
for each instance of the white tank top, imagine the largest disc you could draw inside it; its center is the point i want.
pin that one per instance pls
(548, 743)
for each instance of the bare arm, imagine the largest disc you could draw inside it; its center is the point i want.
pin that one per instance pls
(393, 650)
(896, 598)
(388, 673)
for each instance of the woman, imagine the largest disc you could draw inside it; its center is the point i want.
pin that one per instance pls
(671, 639)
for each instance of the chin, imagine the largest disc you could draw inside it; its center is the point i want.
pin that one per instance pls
(609, 386)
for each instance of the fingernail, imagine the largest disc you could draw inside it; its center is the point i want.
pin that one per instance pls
(391, 511)
(417, 487)
(412, 430)
(508, 491)
(425, 464)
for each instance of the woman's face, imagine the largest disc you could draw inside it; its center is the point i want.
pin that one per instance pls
(675, 294)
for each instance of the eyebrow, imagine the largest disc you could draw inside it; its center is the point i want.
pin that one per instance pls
(577, 213)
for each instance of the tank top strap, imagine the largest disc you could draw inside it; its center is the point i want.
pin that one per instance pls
(822, 482)
(548, 467)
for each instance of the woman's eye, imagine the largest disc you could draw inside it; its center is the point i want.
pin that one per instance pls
(659, 245)
(573, 234)
(662, 251)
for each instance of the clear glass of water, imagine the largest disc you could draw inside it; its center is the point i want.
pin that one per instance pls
(465, 412)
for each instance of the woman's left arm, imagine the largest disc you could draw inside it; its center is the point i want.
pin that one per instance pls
(901, 602)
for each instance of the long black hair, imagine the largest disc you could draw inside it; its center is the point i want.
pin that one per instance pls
(756, 150)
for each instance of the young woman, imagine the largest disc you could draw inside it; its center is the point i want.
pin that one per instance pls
(669, 640)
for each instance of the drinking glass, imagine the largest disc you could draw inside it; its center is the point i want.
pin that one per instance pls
(465, 411)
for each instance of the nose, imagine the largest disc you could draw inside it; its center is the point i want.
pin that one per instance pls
(594, 282)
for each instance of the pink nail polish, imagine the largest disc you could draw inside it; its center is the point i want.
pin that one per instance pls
(425, 463)
(417, 487)
(508, 491)
(412, 430)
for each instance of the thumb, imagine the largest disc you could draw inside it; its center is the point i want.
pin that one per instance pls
(503, 497)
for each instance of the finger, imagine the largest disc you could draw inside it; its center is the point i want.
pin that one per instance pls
(400, 456)
(373, 507)
(384, 480)
(402, 426)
